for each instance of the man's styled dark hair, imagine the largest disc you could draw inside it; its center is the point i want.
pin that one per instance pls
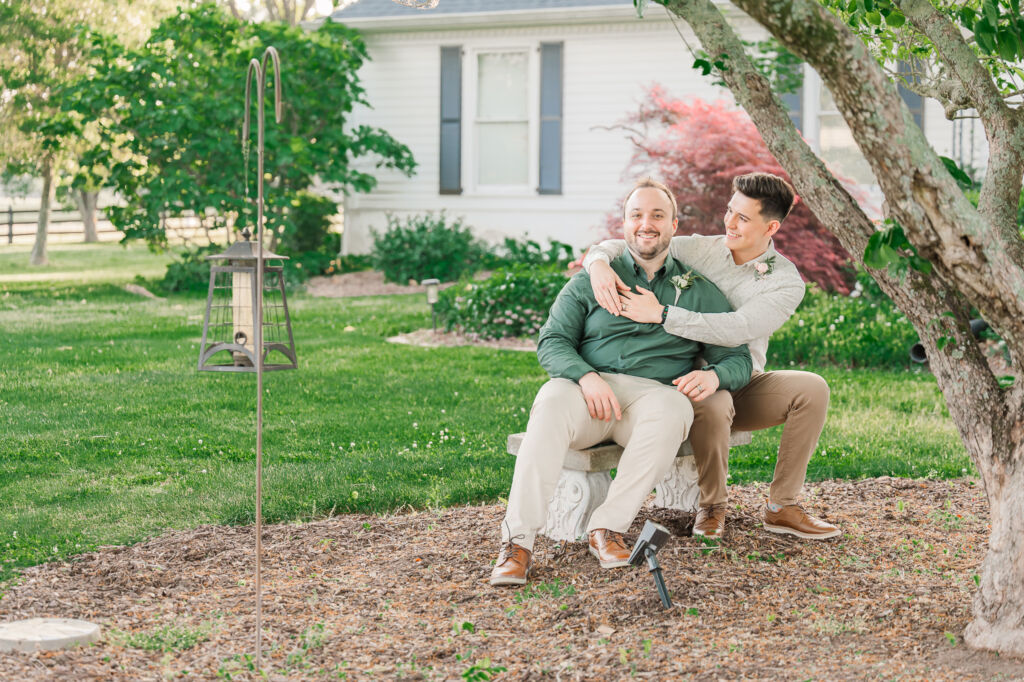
(775, 194)
(652, 184)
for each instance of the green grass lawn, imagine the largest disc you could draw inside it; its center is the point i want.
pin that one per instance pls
(108, 433)
(81, 264)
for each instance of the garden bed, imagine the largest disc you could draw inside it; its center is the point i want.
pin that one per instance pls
(406, 595)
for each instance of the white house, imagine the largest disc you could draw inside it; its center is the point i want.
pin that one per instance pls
(507, 106)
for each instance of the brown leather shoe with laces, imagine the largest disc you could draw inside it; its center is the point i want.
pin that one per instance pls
(710, 521)
(609, 548)
(793, 520)
(513, 565)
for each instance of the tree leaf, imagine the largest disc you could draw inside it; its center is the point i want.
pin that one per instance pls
(895, 19)
(958, 173)
(1006, 44)
(991, 11)
(985, 34)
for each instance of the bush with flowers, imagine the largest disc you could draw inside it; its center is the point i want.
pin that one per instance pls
(862, 329)
(512, 302)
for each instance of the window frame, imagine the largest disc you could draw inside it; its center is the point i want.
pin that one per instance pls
(471, 138)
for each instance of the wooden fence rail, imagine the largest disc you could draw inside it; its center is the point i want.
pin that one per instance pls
(22, 223)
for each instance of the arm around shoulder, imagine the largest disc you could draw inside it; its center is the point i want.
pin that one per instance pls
(606, 251)
(756, 317)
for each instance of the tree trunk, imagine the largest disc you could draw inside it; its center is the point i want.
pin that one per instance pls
(990, 419)
(86, 201)
(999, 602)
(38, 256)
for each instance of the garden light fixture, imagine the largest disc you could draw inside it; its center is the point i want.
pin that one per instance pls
(433, 287)
(652, 538)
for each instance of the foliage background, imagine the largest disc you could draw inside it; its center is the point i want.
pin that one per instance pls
(171, 111)
(697, 148)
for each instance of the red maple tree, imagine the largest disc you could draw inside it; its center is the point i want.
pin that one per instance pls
(697, 148)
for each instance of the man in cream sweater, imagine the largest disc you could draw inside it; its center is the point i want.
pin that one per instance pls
(764, 289)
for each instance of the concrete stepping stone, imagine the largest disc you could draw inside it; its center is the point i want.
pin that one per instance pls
(46, 634)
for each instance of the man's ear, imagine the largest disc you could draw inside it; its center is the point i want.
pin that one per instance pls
(773, 227)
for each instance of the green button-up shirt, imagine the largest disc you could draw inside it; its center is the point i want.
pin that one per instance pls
(581, 337)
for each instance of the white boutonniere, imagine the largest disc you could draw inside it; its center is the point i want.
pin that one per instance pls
(683, 282)
(764, 268)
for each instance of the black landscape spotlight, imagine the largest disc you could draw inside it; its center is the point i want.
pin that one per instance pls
(652, 538)
(918, 355)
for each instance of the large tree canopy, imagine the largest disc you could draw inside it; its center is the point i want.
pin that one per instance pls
(43, 49)
(170, 118)
(961, 257)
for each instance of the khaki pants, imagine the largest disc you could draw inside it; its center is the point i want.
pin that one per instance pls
(797, 399)
(655, 421)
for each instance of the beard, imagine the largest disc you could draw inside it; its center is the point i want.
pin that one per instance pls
(648, 249)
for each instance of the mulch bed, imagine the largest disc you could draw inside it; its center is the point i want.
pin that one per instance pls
(406, 596)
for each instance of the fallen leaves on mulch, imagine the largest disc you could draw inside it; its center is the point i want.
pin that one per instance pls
(406, 596)
(429, 338)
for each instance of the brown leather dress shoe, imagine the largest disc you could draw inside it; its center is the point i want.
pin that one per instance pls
(793, 520)
(513, 565)
(609, 548)
(710, 521)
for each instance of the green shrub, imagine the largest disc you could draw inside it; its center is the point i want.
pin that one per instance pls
(864, 329)
(513, 302)
(424, 246)
(192, 272)
(307, 240)
(308, 225)
(302, 265)
(528, 252)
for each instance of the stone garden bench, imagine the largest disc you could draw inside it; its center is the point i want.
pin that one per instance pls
(585, 478)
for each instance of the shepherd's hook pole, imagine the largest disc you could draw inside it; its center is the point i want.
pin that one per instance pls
(260, 71)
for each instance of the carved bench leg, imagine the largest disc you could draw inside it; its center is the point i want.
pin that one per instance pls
(576, 497)
(679, 488)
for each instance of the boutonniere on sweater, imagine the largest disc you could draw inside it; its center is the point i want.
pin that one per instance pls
(764, 268)
(683, 282)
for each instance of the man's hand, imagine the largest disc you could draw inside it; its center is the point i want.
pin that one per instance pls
(601, 400)
(606, 285)
(642, 306)
(698, 384)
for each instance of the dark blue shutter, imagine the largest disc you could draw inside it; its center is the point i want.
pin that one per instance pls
(451, 120)
(913, 100)
(550, 119)
(794, 103)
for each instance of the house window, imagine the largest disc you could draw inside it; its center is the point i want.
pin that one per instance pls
(512, 102)
(827, 133)
(502, 122)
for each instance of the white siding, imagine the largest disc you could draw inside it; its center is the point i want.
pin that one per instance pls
(607, 69)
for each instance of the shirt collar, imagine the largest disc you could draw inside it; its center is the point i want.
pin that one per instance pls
(770, 252)
(669, 268)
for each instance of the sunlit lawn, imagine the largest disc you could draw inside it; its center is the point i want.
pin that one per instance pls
(108, 433)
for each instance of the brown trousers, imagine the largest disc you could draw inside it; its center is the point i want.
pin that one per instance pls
(797, 399)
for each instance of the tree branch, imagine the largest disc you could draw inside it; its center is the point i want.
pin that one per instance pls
(922, 298)
(957, 56)
(969, 253)
(1002, 185)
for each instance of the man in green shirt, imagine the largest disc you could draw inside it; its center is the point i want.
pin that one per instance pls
(612, 379)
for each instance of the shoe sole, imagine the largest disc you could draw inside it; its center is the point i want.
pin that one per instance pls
(608, 564)
(498, 582)
(786, 530)
(700, 533)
